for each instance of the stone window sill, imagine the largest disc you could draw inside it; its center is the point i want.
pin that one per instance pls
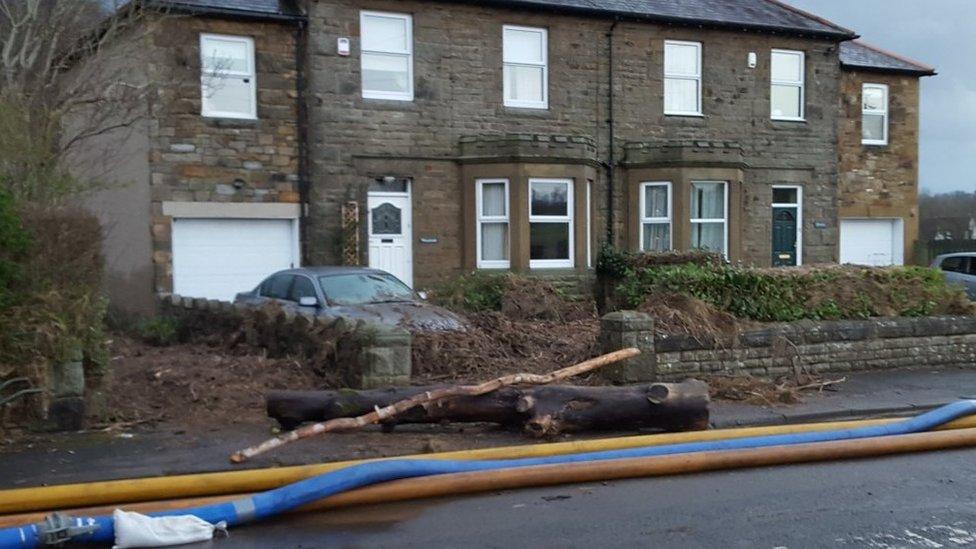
(231, 122)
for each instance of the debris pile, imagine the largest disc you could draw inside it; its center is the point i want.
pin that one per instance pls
(764, 392)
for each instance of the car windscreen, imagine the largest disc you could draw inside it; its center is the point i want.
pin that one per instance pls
(363, 288)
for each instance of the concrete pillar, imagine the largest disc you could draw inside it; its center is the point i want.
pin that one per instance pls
(66, 411)
(622, 329)
(377, 356)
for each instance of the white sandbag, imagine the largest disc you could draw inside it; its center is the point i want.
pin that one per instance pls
(138, 530)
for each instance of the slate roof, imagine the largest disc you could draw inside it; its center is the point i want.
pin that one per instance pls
(767, 15)
(268, 9)
(856, 54)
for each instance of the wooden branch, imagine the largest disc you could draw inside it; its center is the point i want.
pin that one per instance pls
(427, 398)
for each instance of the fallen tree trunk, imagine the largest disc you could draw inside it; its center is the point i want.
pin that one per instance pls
(429, 398)
(541, 411)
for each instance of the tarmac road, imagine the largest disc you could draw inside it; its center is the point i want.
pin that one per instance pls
(922, 500)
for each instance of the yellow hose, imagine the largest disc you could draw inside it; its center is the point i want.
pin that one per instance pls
(255, 480)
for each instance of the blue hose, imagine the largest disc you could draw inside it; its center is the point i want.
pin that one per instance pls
(286, 498)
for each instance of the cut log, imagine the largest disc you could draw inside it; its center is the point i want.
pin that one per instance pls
(429, 398)
(292, 408)
(541, 411)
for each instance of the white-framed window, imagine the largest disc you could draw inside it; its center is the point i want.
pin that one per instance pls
(550, 223)
(228, 84)
(786, 76)
(791, 196)
(874, 114)
(709, 216)
(387, 55)
(525, 54)
(682, 78)
(491, 202)
(655, 216)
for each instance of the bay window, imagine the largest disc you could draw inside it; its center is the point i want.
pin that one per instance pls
(874, 114)
(655, 222)
(786, 94)
(550, 223)
(525, 67)
(682, 78)
(491, 202)
(387, 55)
(227, 77)
(709, 216)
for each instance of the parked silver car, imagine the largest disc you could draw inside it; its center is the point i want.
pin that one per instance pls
(353, 293)
(959, 268)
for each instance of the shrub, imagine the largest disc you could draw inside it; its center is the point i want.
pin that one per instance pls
(788, 295)
(14, 244)
(55, 308)
(159, 331)
(473, 292)
(613, 263)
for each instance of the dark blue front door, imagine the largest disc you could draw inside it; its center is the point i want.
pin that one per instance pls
(784, 237)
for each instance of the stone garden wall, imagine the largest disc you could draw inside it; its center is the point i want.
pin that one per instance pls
(363, 354)
(814, 346)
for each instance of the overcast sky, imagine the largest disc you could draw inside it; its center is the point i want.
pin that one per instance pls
(938, 33)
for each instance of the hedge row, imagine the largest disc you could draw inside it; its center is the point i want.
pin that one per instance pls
(830, 292)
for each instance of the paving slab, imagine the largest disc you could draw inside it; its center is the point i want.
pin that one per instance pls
(865, 394)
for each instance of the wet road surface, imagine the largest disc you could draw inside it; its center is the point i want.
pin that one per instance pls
(922, 500)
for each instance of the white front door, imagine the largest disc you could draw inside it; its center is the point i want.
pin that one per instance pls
(391, 234)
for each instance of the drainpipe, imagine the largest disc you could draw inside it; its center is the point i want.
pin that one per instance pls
(301, 49)
(611, 161)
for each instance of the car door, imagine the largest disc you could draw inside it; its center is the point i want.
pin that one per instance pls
(301, 287)
(969, 279)
(954, 269)
(277, 288)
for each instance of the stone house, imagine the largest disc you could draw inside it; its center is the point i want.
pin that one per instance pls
(878, 148)
(432, 137)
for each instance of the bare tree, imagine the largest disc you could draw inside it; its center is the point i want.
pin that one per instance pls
(66, 77)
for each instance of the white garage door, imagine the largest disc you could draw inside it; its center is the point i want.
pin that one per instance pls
(217, 258)
(876, 242)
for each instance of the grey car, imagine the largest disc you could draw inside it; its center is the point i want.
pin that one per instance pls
(959, 268)
(352, 293)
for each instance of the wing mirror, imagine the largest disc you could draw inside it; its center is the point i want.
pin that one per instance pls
(422, 295)
(308, 301)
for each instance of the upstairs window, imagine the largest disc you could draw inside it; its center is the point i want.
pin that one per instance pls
(550, 223)
(387, 55)
(526, 72)
(786, 70)
(709, 216)
(682, 78)
(655, 207)
(493, 239)
(227, 80)
(874, 114)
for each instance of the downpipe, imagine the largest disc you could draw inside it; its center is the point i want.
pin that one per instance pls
(665, 459)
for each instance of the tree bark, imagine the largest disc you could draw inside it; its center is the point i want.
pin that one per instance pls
(541, 411)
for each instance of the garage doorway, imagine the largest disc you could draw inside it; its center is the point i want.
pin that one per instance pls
(390, 220)
(216, 258)
(874, 242)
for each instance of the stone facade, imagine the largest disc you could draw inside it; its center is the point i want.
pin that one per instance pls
(779, 350)
(457, 130)
(199, 159)
(881, 180)
(458, 102)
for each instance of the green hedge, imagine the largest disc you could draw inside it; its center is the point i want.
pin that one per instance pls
(788, 295)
